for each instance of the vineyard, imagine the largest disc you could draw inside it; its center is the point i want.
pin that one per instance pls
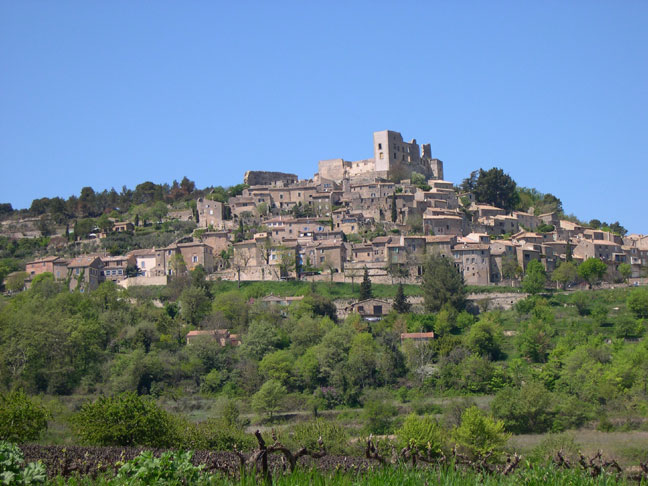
(277, 464)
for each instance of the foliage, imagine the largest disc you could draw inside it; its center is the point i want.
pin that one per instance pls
(496, 188)
(401, 304)
(14, 471)
(365, 286)
(566, 272)
(422, 434)
(535, 277)
(171, 468)
(592, 270)
(442, 284)
(480, 435)
(268, 398)
(22, 418)
(125, 420)
(638, 303)
(307, 434)
(524, 410)
(378, 413)
(485, 338)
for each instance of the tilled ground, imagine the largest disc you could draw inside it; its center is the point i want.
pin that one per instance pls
(66, 461)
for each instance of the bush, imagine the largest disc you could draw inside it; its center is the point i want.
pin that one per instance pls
(13, 470)
(378, 413)
(421, 433)
(582, 302)
(307, 434)
(480, 435)
(213, 434)
(524, 410)
(21, 417)
(124, 420)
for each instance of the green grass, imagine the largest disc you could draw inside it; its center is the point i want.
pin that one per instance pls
(335, 290)
(400, 476)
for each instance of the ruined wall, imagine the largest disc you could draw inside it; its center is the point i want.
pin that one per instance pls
(263, 178)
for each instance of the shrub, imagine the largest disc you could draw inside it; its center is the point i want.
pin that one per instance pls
(582, 302)
(124, 420)
(378, 413)
(213, 434)
(307, 434)
(480, 435)
(422, 434)
(524, 410)
(14, 471)
(21, 417)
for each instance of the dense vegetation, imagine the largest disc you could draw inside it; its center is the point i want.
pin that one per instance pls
(555, 362)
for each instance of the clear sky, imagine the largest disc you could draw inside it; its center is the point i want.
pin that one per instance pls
(113, 93)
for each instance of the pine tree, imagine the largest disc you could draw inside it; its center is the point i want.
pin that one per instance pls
(401, 304)
(365, 286)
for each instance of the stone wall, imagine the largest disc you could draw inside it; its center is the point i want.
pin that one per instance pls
(263, 178)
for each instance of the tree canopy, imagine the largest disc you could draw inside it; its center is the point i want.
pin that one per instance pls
(496, 188)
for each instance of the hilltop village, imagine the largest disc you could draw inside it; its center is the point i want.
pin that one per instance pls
(383, 214)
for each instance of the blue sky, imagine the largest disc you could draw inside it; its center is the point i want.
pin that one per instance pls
(113, 93)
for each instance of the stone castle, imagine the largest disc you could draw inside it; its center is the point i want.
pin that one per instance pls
(393, 159)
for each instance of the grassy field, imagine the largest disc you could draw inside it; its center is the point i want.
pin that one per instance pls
(396, 476)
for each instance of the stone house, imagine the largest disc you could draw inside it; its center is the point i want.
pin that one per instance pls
(114, 267)
(85, 273)
(55, 265)
(473, 261)
(217, 240)
(443, 225)
(210, 213)
(608, 251)
(370, 308)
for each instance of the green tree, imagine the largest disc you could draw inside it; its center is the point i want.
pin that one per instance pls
(535, 277)
(485, 338)
(268, 399)
(22, 418)
(442, 284)
(194, 304)
(625, 270)
(365, 286)
(566, 273)
(592, 270)
(479, 435)
(401, 304)
(277, 366)
(123, 420)
(510, 267)
(637, 303)
(496, 188)
(15, 282)
(535, 342)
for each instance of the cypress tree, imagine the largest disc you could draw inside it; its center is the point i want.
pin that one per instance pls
(401, 304)
(365, 286)
(394, 213)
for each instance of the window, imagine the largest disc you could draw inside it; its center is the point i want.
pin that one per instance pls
(380, 147)
(194, 259)
(120, 272)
